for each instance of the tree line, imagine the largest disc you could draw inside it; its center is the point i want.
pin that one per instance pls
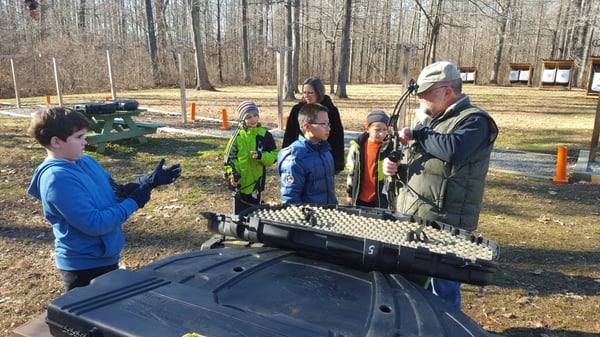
(236, 42)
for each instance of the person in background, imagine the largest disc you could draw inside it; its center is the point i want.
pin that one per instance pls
(313, 91)
(446, 159)
(306, 167)
(366, 182)
(250, 151)
(84, 204)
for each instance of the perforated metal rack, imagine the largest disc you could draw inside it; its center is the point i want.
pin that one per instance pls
(366, 238)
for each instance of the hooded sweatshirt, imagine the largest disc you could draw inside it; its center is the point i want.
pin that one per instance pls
(86, 217)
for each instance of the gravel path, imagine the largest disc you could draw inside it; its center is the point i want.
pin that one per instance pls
(510, 161)
(517, 162)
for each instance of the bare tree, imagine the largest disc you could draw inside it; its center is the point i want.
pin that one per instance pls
(434, 26)
(202, 80)
(288, 59)
(219, 43)
(345, 52)
(245, 51)
(504, 17)
(81, 15)
(152, 42)
(486, 34)
(295, 44)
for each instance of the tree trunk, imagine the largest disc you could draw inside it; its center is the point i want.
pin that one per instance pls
(501, 32)
(219, 43)
(160, 7)
(332, 70)
(296, 44)
(152, 43)
(81, 16)
(433, 24)
(245, 51)
(287, 56)
(345, 53)
(202, 81)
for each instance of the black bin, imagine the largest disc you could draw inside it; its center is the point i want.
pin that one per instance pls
(254, 292)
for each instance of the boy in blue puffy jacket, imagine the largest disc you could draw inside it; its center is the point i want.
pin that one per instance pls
(306, 167)
(84, 205)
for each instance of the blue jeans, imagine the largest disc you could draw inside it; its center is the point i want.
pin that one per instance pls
(447, 290)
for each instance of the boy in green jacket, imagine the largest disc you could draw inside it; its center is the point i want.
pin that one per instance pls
(249, 151)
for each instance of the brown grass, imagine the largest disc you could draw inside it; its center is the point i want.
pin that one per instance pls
(549, 268)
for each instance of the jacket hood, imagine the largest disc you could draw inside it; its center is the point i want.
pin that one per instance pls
(48, 163)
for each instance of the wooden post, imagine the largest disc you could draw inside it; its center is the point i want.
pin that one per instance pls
(12, 67)
(595, 134)
(58, 93)
(406, 49)
(182, 86)
(180, 51)
(280, 69)
(113, 90)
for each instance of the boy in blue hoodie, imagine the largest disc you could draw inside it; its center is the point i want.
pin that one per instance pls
(82, 202)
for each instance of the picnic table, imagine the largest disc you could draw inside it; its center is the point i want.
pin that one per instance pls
(118, 125)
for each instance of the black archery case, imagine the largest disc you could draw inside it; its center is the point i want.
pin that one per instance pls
(103, 107)
(126, 104)
(366, 238)
(253, 292)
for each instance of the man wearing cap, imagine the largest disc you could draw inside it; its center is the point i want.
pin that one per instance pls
(365, 185)
(445, 158)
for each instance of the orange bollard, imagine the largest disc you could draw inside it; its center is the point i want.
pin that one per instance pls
(225, 124)
(48, 100)
(107, 98)
(561, 166)
(193, 112)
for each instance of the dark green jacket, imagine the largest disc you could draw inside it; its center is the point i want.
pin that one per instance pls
(446, 165)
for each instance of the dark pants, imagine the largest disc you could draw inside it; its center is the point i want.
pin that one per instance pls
(81, 278)
(367, 204)
(243, 201)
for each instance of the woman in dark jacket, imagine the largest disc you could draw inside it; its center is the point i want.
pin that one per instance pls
(313, 91)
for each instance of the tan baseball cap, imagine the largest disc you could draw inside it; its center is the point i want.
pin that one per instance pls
(442, 71)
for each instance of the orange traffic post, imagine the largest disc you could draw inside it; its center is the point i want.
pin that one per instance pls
(193, 112)
(107, 98)
(48, 100)
(561, 166)
(225, 124)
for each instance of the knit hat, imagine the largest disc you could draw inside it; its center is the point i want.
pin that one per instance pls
(247, 107)
(436, 72)
(377, 116)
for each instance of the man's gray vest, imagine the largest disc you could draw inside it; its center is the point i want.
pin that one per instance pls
(438, 190)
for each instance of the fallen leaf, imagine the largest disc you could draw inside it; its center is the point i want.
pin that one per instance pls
(509, 315)
(543, 219)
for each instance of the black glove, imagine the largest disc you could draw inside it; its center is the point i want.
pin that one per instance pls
(141, 195)
(161, 176)
(123, 191)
